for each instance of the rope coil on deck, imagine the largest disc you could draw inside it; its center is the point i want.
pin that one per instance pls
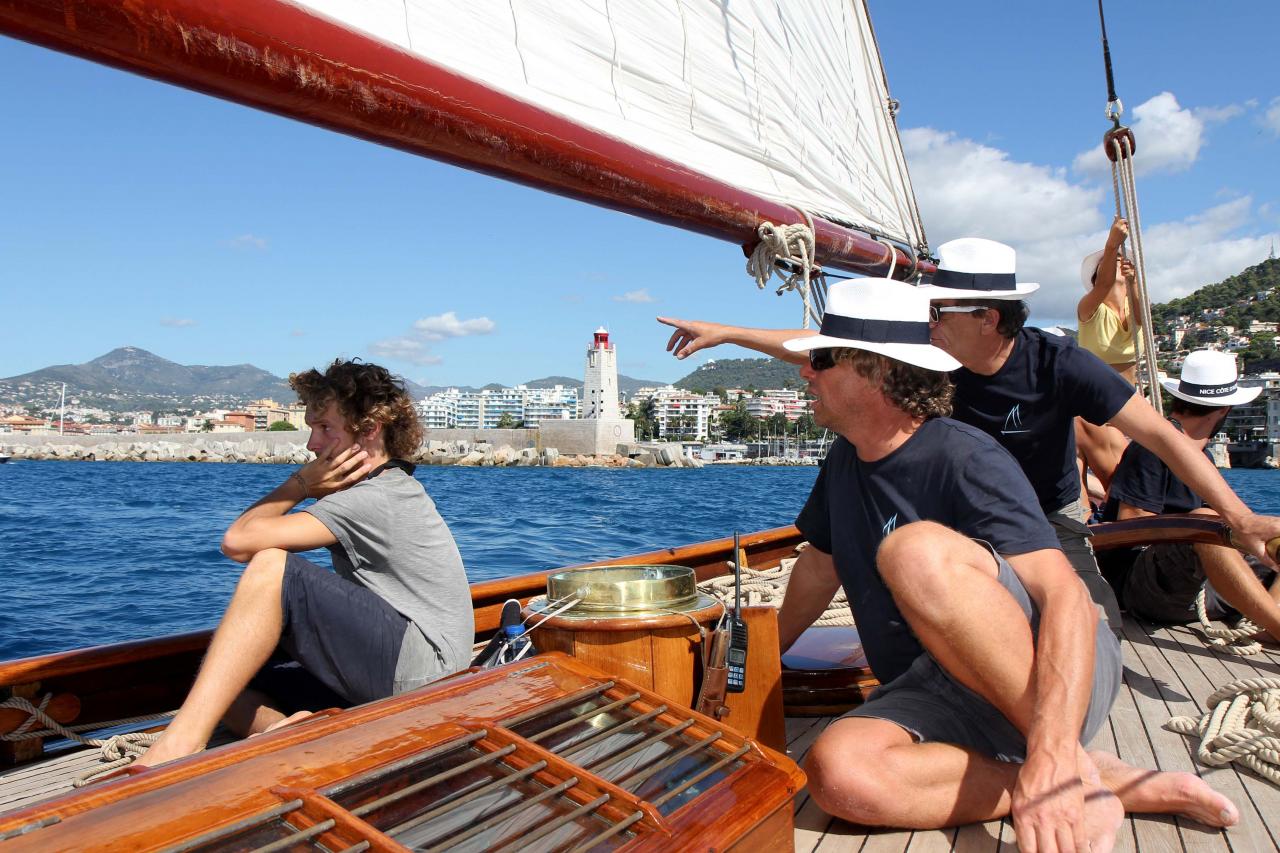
(117, 751)
(1238, 640)
(1242, 725)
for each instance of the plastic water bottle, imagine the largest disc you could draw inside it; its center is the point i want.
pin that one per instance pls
(515, 644)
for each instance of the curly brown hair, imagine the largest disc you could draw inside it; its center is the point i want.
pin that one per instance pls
(919, 392)
(367, 395)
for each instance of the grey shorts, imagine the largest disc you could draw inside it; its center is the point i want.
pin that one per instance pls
(933, 707)
(1073, 536)
(340, 643)
(1164, 581)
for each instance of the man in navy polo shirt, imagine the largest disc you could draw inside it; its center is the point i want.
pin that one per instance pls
(1024, 387)
(989, 651)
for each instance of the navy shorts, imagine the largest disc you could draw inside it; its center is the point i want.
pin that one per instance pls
(339, 646)
(933, 707)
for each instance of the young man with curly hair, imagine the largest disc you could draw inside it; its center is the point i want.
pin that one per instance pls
(393, 615)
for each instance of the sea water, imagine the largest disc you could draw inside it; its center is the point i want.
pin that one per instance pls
(104, 552)
(101, 552)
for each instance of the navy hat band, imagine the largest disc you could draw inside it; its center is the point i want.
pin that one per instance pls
(975, 280)
(1207, 392)
(875, 331)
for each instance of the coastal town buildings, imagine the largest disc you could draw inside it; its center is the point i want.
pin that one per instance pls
(486, 408)
(680, 414)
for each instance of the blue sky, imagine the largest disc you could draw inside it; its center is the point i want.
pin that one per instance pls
(141, 214)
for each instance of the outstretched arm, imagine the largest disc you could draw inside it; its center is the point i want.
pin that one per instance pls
(693, 335)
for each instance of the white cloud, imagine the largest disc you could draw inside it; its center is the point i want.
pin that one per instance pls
(966, 188)
(414, 347)
(447, 325)
(177, 322)
(1214, 115)
(248, 241)
(1271, 118)
(1169, 138)
(636, 297)
(404, 349)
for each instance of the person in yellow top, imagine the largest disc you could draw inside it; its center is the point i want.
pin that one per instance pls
(1106, 329)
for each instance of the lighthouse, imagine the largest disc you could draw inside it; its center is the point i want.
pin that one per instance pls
(600, 385)
(601, 430)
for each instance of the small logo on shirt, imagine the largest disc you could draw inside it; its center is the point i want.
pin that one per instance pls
(1013, 421)
(890, 525)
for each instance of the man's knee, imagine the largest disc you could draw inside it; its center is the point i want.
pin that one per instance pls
(923, 555)
(266, 569)
(851, 769)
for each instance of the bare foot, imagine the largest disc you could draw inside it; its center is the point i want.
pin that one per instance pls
(1103, 817)
(287, 721)
(1154, 792)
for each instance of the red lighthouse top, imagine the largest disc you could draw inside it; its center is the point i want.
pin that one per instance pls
(601, 340)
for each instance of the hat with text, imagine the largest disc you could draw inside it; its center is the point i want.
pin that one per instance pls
(974, 268)
(1210, 378)
(878, 315)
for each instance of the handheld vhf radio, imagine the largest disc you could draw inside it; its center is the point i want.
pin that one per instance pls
(736, 657)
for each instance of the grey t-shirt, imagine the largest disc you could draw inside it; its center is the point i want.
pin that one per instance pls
(392, 540)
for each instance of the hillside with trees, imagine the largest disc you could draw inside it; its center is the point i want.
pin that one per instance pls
(746, 373)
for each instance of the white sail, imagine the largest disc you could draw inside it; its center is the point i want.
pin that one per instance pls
(786, 100)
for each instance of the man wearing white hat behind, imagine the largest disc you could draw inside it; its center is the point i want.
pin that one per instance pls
(1161, 582)
(993, 662)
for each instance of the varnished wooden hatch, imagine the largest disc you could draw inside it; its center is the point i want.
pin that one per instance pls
(545, 754)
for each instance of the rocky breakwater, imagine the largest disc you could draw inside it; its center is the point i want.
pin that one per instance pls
(272, 449)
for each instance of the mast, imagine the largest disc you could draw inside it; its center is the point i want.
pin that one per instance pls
(279, 57)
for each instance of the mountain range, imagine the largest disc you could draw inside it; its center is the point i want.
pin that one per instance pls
(129, 378)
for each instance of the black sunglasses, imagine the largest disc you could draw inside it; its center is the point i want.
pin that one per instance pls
(822, 359)
(936, 312)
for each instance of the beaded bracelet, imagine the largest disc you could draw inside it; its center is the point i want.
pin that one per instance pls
(305, 491)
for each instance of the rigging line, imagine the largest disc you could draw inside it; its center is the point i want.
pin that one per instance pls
(1112, 100)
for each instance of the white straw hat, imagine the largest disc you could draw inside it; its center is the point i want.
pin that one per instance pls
(974, 268)
(1210, 378)
(1089, 268)
(878, 315)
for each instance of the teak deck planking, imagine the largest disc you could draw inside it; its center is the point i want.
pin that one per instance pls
(1167, 672)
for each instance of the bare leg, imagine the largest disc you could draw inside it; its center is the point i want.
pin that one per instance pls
(871, 772)
(245, 638)
(1239, 586)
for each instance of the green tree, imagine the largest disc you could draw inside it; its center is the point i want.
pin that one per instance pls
(508, 421)
(736, 424)
(207, 426)
(281, 426)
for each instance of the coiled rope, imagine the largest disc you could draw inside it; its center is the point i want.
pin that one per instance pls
(1238, 640)
(1241, 725)
(767, 587)
(117, 751)
(794, 245)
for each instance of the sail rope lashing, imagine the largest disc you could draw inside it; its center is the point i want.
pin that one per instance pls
(767, 588)
(1242, 724)
(1238, 640)
(792, 245)
(117, 751)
